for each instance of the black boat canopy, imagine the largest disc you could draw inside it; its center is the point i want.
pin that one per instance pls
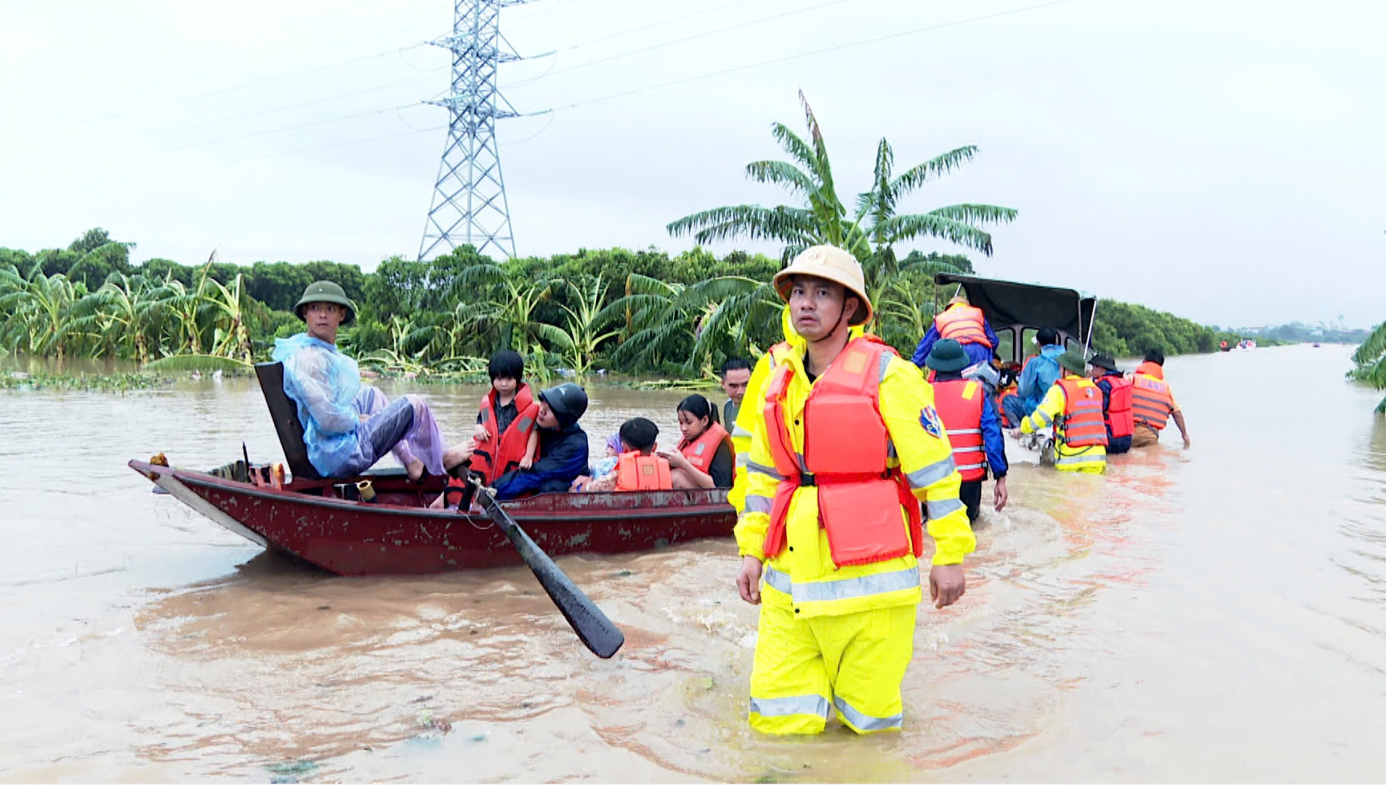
(1017, 307)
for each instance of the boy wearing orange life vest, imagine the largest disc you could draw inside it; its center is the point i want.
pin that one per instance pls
(1074, 407)
(1116, 402)
(845, 448)
(1152, 402)
(637, 468)
(974, 428)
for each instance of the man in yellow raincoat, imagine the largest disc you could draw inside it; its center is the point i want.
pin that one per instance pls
(1073, 406)
(830, 535)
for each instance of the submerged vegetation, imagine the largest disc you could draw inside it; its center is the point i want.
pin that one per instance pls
(629, 312)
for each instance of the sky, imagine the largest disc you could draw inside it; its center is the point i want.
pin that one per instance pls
(1225, 161)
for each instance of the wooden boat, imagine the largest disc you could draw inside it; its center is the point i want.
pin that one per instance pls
(326, 523)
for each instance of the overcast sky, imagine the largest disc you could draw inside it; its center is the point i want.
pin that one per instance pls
(1225, 161)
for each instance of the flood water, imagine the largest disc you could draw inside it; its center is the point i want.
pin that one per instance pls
(1216, 614)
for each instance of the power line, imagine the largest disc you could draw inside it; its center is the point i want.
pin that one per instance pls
(697, 36)
(287, 107)
(811, 53)
(282, 129)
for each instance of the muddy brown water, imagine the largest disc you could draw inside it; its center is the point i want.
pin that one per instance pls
(1216, 614)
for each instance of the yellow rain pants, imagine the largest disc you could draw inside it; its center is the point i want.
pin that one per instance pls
(851, 664)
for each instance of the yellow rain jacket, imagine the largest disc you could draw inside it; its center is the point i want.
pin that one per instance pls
(841, 639)
(1091, 459)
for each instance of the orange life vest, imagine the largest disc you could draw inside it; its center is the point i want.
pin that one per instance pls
(1151, 401)
(503, 451)
(964, 324)
(1119, 418)
(701, 450)
(846, 448)
(959, 405)
(1083, 424)
(1009, 392)
(636, 472)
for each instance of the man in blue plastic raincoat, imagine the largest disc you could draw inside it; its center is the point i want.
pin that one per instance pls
(347, 427)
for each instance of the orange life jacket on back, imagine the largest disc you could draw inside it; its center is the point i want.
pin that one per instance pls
(503, 451)
(1119, 418)
(846, 448)
(701, 450)
(1151, 401)
(964, 324)
(959, 403)
(636, 472)
(1083, 424)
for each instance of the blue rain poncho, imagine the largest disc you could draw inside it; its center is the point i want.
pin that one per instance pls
(324, 383)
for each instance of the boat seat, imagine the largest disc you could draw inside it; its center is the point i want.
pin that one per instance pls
(286, 423)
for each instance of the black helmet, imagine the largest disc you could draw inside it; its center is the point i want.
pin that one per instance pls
(568, 402)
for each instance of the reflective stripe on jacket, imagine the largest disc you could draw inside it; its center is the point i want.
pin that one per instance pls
(802, 572)
(964, 324)
(959, 403)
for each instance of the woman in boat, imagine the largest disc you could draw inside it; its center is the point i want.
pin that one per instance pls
(347, 427)
(705, 457)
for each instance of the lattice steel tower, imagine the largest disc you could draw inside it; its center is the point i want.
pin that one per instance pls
(469, 204)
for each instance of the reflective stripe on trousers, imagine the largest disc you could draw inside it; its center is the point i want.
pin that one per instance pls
(847, 588)
(785, 707)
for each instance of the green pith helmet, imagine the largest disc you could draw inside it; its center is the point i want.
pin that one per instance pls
(947, 356)
(325, 292)
(1073, 361)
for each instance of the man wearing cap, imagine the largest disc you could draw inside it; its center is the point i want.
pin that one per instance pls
(965, 324)
(1039, 374)
(845, 446)
(347, 427)
(562, 446)
(1116, 401)
(974, 429)
(1073, 406)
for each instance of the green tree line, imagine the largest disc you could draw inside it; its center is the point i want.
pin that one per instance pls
(629, 311)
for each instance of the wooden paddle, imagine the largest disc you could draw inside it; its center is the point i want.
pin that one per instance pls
(591, 625)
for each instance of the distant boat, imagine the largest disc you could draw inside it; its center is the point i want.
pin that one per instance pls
(1316, 344)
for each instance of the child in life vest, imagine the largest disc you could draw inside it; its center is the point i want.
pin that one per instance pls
(636, 466)
(509, 394)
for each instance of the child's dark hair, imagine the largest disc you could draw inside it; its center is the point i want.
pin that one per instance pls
(699, 407)
(506, 364)
(639, 434)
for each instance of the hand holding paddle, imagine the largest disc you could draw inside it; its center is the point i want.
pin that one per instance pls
(591, 625)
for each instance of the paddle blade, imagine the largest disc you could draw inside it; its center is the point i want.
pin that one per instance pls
(592, 626)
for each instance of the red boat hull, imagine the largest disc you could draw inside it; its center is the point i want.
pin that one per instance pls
(397, 534)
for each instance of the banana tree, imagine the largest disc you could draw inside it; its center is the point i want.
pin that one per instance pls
(578, 344)
(1370, 358)
(37, 309)
(820, 217)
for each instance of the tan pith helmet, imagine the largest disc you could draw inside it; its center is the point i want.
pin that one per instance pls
(831, 263)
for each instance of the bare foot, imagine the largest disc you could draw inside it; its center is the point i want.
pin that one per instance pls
(454, 456)
(415, 469)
